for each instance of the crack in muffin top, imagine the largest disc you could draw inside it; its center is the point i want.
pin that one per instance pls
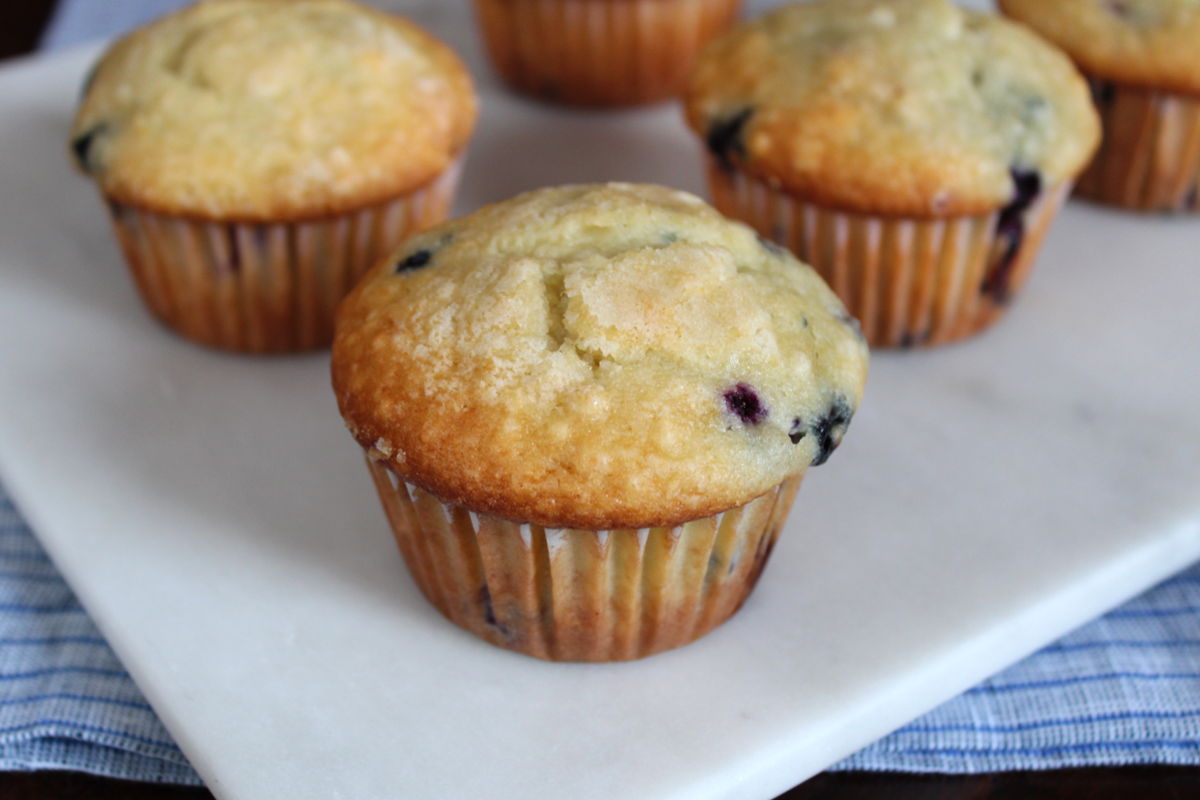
(272, 109)
(1151, 43)
(909, 107)
(596, 356)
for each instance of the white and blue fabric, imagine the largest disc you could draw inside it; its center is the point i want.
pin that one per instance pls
(65, 700)
(1124, 689)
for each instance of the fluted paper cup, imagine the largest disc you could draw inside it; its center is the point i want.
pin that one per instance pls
(1149, 159)
(599, 52)
(910, 281)
(265, 287)
(582, 595)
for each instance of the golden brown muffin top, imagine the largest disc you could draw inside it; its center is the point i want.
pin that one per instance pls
(596, 356)
(272, 109)
(1152, 43)
(910, 107)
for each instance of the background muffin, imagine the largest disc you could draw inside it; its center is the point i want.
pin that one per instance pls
(912, 151)
(259, 155)
(1143, 60)
(599, 52)
(587, 411)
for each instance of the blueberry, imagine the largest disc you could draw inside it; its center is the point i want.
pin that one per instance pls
(414, 260)
(232, 262)
(1028, 185)
(489, 612)
(910, 339)
(1118, 8)
(798, 430)
(774, 248)
(1103, 92)
(830, 429)
(421, 257)
(1010, 231)
(725, 137)
(743, 402)
(83, 143)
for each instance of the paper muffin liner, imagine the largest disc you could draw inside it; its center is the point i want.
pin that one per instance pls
(582, 595)
(910, 281)
(1149, 159)
(599, 52)
(265, 287)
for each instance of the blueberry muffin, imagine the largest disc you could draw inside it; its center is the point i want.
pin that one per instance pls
(587, 411)
(1143, 60)
(912, 151)
(599, 52)
(257, 156)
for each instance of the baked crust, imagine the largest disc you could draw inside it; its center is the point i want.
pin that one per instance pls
(272, 110)
(1148, 43)
(596, 356)
(904, 107)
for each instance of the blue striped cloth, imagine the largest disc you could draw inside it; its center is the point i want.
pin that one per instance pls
(1124, 689)
(65, 700)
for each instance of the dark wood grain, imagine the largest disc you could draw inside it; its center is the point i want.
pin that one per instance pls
(21, 24)
(1133, 783)
(77, 786)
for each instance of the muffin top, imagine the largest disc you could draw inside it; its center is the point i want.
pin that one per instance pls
(272, 109)
(912, 107)
(596, 356)
(1152, 43)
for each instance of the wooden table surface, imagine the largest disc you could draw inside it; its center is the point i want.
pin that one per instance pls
(1134, 783)
(22, 23)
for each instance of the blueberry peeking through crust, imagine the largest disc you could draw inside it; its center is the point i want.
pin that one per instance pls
(725, 140)
(830, 429)
(82, 145)
(1028, 185)
(798, 430)
(414, 260)
(1010, 233)
(422, 256)
(744, 403)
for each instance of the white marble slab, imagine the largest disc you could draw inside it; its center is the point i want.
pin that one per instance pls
(216, 519)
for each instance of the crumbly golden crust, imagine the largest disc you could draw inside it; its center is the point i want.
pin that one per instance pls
(910, 107)
(1148, 43)
(272, 110)
(596, 356)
